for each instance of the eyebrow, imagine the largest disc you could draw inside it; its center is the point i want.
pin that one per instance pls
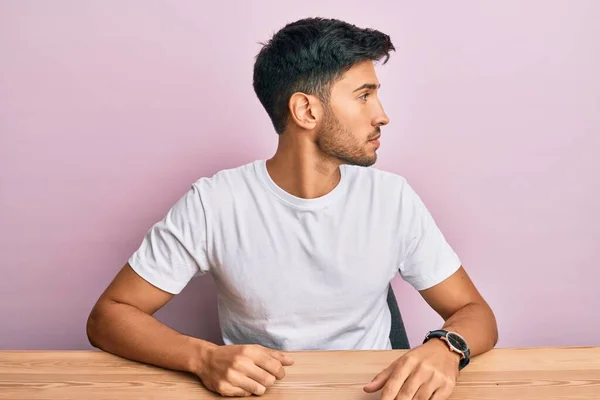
(367, 86)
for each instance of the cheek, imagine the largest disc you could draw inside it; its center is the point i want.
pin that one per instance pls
(348, 109)
(352, 117)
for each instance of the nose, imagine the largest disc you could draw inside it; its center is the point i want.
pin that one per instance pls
(381, 118)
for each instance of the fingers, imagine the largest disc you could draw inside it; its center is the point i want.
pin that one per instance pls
(225, 388)
(245, 370)
(396, 381)
(272, 361)
(283, 358)
(406, 380)
(412, 386)
(379, 380)
(263, 367)
(259, 375)
(441, 394)
(237, 384)
(250, 385)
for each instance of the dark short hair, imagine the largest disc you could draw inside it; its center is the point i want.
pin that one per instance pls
(308, 56)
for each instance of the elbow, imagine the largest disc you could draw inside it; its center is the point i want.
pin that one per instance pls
(494, 326)
(489, 323)
(496, 336)
(92, 327)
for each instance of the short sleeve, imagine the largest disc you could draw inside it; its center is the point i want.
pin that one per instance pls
(428, 258)
(174, 250)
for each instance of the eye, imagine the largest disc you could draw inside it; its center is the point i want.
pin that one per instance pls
(364, 96)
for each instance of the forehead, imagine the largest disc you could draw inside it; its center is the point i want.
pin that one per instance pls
(356, 76)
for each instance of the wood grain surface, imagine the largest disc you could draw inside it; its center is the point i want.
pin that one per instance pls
(524, 373)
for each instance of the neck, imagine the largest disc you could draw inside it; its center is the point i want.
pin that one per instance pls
(301, 169)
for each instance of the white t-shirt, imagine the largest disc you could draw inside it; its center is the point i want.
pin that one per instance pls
(293, 273)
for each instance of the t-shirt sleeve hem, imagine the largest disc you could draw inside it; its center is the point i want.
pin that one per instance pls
(430, 281)
(148, 274)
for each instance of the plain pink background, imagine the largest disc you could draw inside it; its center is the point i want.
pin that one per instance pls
(110, 110)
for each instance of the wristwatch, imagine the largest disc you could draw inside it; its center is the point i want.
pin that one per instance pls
(455, 342)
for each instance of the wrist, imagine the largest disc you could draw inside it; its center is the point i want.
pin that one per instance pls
(443, 349)
(454, 342)
(198, 354)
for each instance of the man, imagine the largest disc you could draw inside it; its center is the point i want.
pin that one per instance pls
(302, 246)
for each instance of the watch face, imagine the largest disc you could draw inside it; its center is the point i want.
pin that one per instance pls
(457, 341)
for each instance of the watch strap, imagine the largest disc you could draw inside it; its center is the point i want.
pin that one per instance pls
(439, 333)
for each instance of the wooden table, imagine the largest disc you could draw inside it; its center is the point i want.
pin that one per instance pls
(528, 373)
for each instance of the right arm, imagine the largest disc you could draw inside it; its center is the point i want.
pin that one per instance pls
(122, 323)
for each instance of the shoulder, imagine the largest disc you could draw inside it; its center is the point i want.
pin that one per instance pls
(375, 178)
(373, 173)
(389, 190)
(226, 187)
(226, 179)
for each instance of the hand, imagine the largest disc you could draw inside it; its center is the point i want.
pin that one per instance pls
(241, 370)
(427, 372)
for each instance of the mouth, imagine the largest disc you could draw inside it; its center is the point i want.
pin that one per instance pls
(375, 142)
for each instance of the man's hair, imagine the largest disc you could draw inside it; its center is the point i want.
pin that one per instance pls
(309, 56)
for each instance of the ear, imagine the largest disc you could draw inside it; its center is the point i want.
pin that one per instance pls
(305, 110)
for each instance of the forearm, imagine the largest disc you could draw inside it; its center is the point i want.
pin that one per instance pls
(125, 331)
(477, 324)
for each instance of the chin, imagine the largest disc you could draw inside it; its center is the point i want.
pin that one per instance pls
(362, 162)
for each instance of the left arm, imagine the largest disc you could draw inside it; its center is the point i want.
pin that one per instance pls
(464, 311)
(429, 371)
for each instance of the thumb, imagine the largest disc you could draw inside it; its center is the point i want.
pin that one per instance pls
(379, 381)
(282, 357)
